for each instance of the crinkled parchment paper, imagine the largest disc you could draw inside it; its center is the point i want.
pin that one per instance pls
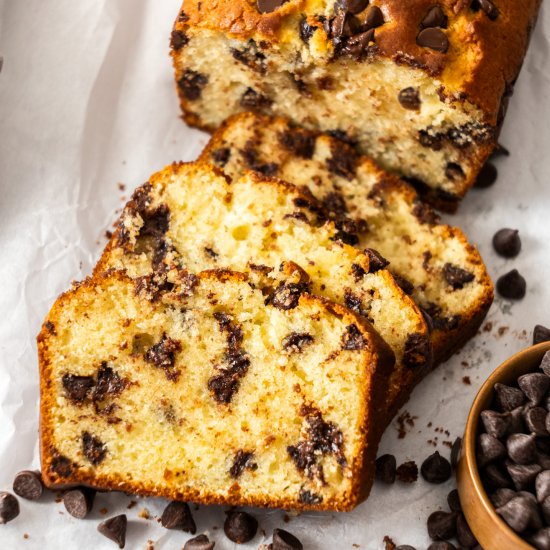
(87, 102)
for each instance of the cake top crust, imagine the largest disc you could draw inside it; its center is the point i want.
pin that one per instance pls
(475, 48)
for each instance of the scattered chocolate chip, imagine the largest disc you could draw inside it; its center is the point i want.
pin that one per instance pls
(28, 485)
(351, 6)
(178, 39)
(455, 452)
(79, 502)
(407, 472)
(521, 448)
(283, 540)
(251, 99)
(200, 542)
(489, 449)
(435, 18)
(507, 397)
(77, 387)
(507, 242)
(534, 385)
(456, 276)
(115, 529)
(495, 424)
(441, 545)
(268, 6)
(177, 515)
(535, 420)
(352, 339)
(442, 525)
(517, 513)
(295, 342)
(486, 177)
(376, 260)
(433, 38)
(306, 30)
(191, 84)
(490, 10)
(511, 285)
(94, 449)
(385, 468)
(453, 500)
(9, 507)
(541, 334)
(409, 98)
(523, 475)
(464, 534)
(240, 527)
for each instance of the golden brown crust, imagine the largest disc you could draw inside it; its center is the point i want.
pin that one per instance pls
(379, 365)
(481, 64)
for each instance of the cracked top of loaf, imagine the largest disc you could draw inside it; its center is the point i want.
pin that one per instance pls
(475, 48)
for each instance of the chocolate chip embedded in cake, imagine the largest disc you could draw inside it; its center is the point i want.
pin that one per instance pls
(174, 437)
(383, 73)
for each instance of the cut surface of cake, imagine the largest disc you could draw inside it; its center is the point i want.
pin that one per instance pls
(421, 86)
(191, 216)
(440, 269)
(208, 394)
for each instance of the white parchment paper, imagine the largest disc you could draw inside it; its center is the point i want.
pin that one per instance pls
(87, 102)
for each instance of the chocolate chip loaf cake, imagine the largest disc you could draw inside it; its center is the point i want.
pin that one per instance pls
(434, 262)
(421, 86)
(210, 393)
(189, 216)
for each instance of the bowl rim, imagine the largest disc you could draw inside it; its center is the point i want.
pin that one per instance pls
(470, 433)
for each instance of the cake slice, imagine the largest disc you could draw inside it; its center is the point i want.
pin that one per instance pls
(189, 216)
(421, 86)
(442, 271)
(210, 393)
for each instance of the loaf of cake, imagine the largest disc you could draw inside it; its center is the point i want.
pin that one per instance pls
(211, 393)
(421, 86)
(191, 216)
(435, 262)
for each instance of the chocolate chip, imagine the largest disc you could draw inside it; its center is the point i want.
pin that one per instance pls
(441, 545)
(453, 500)
(77, 387)
(385, 468)
(501, 496)
(409, 98)
(94, 449)
(306, 30)
(442, 525)
(240, 527)
(200, 542)
(28, 485)
(177, 515)
(62, 466)
(115, 529)
(287, 295)
(489, 449)
(343, 25)
(495, 478)
(541, 334)
(435, 18)
(343, 160)
(456, 276)
(79, 502)
(507, 242)
(405, 547)
(407, 472)
(491, 11)
(241, 461)
(109, 383)
(433, 38)
(357, 45)
(535, 419)
(454, 171)
(295, 342)
(163, 354)
(268, 6)
(178, 39)
(308, 497)
(523, 475)
(351, 6)
(541, 539)
(521, 448)
(517, 425)
(534, 386)
(299, 142)
(464, 534)
(455, 452)
(517, 513)
(436, 469)
(495, 424)
(376, 260)
(9, 507)
(486, 177)
(508, 398)
(352, 339)
(251, 99)
(511, 285)
(191, 84)
(374, 18)
(283, 540)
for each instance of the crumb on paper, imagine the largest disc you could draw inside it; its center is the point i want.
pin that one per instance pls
(388, 543)
(150, 545)
(144, 514)
(407, 472)
(121, 186)
(286, 518)
(131, 504)
(502, 331)
(403, 420)
(25, 535)
(103, 511)
(108, 234)
(466, 380)
(487, 327)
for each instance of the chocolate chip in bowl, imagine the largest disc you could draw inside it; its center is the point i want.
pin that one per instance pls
(504, 470)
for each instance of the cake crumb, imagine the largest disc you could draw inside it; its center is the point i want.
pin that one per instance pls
(131, 504)
(150, 545)
(502, 331)
(144, 514)
(25, 535)
(466, 380)
(121, 186)
(488, 326)
(403, 420)
(389, 544)
(103, 511)
(286, 518)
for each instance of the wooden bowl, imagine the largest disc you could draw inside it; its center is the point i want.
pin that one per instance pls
(489, 529)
